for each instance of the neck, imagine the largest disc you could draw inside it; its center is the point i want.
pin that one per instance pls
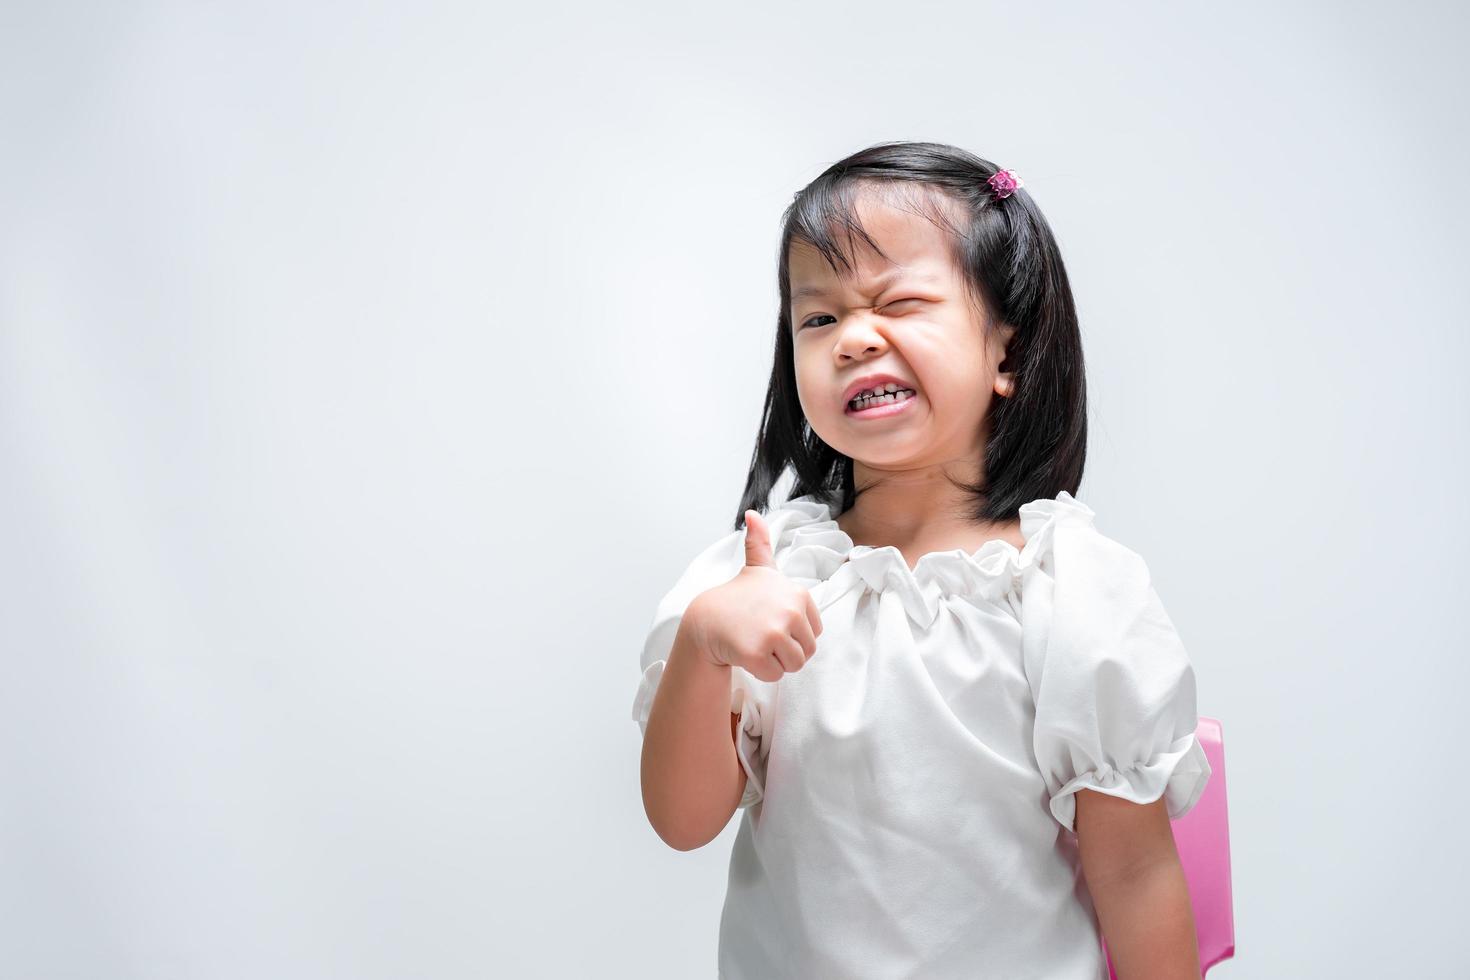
(911, 508)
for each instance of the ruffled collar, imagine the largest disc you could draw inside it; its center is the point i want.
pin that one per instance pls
(810, 545)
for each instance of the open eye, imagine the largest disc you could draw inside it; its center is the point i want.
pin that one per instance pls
(818, 317)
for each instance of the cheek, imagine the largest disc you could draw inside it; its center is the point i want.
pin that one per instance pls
(808, 386)
(953, 369)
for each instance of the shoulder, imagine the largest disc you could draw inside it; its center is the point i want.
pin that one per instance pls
(1062, 538)
(1083, 588)
(806, 543)
(720, 558)
(716, 562)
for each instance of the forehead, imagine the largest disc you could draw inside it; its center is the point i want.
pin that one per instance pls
(904, 229)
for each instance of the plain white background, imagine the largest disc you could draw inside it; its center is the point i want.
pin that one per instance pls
(367, 373)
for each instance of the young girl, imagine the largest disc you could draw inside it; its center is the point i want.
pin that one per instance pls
(960, 719)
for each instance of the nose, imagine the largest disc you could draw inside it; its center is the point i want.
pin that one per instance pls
(860, 338)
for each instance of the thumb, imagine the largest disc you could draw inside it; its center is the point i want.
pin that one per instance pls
(757, 541)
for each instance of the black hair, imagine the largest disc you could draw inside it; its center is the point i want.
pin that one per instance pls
(1037, 440)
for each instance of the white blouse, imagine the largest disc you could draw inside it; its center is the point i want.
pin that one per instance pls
(911, 790)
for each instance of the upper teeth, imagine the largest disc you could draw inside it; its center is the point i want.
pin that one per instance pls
(886, 389)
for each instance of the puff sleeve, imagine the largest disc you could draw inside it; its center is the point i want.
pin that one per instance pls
(750, 697)
(1112, 684)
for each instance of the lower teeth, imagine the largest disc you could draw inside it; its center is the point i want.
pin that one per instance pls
(867, 403)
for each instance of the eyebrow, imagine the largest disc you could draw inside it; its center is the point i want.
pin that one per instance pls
(809, 292)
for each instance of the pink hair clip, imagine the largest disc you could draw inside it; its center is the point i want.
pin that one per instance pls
(1003, 184)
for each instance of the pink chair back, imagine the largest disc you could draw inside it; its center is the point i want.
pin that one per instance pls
(1202, 837)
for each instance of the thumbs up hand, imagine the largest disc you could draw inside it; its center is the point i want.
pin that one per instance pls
(760, 620)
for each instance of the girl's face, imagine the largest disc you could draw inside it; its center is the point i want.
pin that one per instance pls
(910, 318)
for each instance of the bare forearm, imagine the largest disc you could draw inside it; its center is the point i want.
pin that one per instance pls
(690, 773)
(1148, 923)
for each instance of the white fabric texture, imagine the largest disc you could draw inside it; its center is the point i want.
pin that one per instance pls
(910, 791)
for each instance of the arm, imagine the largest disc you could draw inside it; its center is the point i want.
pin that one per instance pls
(691, 776)
(1138, 888)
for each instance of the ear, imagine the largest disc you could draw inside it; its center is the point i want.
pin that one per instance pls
(1005, 379)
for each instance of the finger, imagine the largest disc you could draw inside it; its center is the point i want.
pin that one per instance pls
(771, 669)
(757, 541)
(788, 652)
(813, 615)
(801, 631)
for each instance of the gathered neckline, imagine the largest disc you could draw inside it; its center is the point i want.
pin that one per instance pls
(810, 544)
(975, 554)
